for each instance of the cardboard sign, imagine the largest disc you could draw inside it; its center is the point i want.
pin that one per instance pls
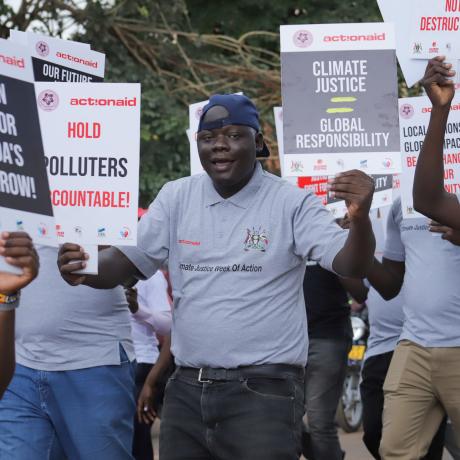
(339, 89)
(91, 138)
(54, 59)
(24, 192)
(415, 116)
(384, 184)
(424, 29)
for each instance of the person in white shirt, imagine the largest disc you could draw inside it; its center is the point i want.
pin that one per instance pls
(150, 306)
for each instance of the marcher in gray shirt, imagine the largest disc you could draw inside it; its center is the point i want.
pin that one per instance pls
(423, 378)
(236, 239)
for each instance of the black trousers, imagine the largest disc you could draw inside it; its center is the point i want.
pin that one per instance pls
(374, 372)
(246, 419)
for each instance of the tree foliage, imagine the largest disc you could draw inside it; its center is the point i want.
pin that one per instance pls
(182, 51)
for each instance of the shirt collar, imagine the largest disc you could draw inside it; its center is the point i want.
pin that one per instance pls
(241, 199)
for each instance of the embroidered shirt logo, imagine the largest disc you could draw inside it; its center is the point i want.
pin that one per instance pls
(256, 239)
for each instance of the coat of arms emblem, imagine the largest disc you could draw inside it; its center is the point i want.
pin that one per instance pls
(256, 239)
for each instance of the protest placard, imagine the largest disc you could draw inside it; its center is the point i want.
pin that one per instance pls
(54, 59)
(24, 192)
(91, 138)
(424, 29)
(435, 29)
(339, 89)
(383, 195)
(415, 116)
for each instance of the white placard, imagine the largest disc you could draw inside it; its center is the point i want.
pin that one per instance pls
(91, 140)
(413, 44)
(414, 118)
(435, 29)
(339, 88)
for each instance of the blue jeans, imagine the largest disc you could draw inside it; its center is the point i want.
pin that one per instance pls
(84, 414)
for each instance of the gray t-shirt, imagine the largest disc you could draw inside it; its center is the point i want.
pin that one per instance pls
(60, 327)
(431, 289)
(385, 317)
(236, 267)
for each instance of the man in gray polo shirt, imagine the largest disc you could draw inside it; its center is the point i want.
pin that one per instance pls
(237, 239)
(423, 379)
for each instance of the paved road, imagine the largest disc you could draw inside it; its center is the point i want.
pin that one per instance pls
(351, 444)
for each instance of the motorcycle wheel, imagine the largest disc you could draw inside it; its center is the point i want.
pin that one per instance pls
(350, 409)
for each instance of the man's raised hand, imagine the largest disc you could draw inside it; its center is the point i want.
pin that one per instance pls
(438, 82)
(357, 189)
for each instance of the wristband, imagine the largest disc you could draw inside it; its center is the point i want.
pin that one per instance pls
(9, 302)
(10, 298)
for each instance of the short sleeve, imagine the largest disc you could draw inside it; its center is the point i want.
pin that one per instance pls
(394, 247)
(153, 235)
(316, 234)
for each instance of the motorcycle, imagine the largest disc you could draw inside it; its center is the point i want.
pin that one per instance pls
(350, 409)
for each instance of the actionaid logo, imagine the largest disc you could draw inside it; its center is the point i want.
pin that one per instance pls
(77, 60)
(303, 38)
(355, 38)
(48, 100)
(92, 101)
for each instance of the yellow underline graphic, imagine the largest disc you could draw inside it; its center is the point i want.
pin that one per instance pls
(340, 110)
(344, 99)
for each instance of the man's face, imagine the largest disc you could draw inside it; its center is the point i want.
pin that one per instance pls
(228, 155)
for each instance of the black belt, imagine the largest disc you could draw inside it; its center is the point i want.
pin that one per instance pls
(211, 374)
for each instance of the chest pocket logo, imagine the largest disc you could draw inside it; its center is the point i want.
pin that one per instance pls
(256, 239)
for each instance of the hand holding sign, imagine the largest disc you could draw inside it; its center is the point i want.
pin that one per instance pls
(71, 258)
(357, 189)
(18, 250)
(438, 83)
(446, 233)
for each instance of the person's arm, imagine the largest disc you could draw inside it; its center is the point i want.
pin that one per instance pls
(7, 356)
(387, 277)
(145, 410)
(429, 196)
(18, 250)
(356, 288)
(355, 258)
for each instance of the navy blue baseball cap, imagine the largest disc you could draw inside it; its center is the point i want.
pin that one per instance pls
(241, 111)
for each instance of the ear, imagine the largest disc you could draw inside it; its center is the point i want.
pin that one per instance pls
(259, 142)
